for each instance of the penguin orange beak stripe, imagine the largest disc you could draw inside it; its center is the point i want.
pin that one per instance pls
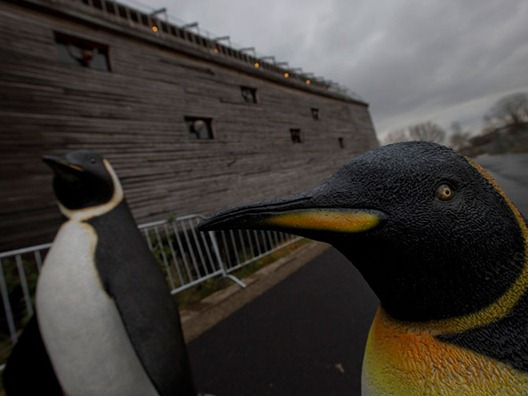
(305, 214)
(343, 221)
(301, 221)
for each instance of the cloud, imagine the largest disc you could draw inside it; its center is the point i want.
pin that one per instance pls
(432, 60)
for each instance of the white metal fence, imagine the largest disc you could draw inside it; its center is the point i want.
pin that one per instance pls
(188, 257)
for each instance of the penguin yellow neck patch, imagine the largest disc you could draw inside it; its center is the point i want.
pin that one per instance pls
(345, 221)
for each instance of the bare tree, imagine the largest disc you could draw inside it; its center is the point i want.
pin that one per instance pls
(398, 135)
(509, 110)
(456, 128)
(428, 131)
(458, 139)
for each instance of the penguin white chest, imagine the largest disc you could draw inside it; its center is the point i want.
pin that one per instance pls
(80, 323)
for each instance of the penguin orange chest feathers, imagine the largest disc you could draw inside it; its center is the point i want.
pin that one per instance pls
(444, 250)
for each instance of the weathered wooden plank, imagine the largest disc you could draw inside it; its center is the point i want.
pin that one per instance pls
(134, 114)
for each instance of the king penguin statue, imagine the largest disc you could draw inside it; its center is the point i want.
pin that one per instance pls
(105, 323)
(446, 252)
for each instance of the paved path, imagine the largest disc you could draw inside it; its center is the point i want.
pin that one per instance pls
(511, 172)
(306, 335)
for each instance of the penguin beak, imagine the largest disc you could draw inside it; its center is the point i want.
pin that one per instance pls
(300, 214)
(61, 166)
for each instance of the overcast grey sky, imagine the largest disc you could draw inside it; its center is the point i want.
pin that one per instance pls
(412, 61)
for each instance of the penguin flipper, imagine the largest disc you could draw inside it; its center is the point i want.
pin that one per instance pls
(132, 278)
(28, 367)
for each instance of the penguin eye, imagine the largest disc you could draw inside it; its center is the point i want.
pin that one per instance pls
(444, 192)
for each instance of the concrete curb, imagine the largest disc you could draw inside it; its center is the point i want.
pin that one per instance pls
(223, 303)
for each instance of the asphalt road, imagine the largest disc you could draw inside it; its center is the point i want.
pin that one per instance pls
(511, 172)
(306, 335)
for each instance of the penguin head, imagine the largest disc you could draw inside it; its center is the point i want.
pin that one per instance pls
(429, 230)
(83, 179)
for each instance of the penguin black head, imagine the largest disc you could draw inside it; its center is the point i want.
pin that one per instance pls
(430, 231)
(82, 179)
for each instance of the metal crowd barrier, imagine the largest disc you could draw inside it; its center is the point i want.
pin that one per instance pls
(187, 256)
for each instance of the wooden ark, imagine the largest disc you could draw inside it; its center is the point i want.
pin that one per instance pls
(191, 125)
